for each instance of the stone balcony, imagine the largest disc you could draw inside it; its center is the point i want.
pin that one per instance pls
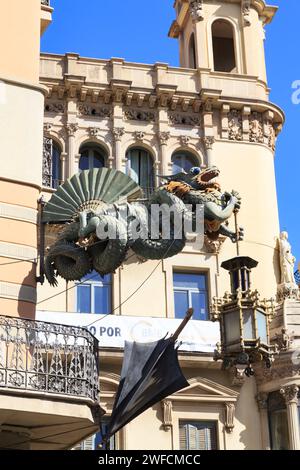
(49, 385)
(46, 15)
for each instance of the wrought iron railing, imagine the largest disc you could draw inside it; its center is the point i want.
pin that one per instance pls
(48, 358)
(297, 277)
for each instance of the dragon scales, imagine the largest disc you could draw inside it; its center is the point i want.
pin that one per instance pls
(92, 203)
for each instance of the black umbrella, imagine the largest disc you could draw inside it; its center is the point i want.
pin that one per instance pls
(150, 373)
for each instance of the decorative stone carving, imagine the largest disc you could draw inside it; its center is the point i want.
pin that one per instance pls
(281, 369)
(208, 142)
(256, 127)
(271, 136)
(185, 119)
(235, 125)
(164, 137)
(55, 107)
(262, 400)
(238, 376)
(213, 246)
(196, 10)
(290, 394)
(47, 127)
(139, 115)
(246, 12)
(71, 129)
(118, 133)
(229, 417)
(139, 136)
(47, 162)
(284, 340)
(288, 287)
(94, 131)
(184, 140)
(167, 414)
(90, 110)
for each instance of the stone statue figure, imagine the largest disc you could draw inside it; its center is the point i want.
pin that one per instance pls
(287, 260)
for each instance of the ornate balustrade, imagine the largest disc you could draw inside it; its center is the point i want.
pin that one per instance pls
(48, 358)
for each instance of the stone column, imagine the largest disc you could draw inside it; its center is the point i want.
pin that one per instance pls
(208, 143)
(262, 403)
(163, 142)
(71, 130)
(63, 162)
(118, 133)
(290, 394)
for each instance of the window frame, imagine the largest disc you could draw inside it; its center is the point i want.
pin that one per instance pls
(186, 155)
(93, 284)
(192, 290)
(148, 189)
(194, 422)
(91, 151)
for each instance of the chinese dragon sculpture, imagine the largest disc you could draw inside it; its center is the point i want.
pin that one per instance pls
(94, 201)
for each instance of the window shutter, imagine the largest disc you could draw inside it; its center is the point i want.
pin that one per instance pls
(182, 438)
(192, 432)
(89, 443)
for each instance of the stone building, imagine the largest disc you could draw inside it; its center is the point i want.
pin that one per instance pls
(150, 120)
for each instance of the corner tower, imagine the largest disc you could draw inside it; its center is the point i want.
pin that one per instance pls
(223, 42)
(21, 136)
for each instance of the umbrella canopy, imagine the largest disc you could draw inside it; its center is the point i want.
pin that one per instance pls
(150, 373)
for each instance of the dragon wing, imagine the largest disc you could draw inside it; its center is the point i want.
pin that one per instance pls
(89, 190)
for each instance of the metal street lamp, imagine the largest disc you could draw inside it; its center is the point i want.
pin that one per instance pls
(244, 320)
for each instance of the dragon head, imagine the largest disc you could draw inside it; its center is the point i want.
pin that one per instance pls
(196, 179)
(203, 179)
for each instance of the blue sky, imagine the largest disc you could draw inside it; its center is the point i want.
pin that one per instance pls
(136, 30)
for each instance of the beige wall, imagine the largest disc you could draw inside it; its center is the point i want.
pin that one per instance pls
(20, 28)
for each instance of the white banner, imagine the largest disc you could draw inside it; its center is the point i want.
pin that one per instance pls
(112, 331)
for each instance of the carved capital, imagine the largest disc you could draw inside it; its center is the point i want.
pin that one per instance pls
(196, 10)
(262, 400)
(209, 142)
(167, 414)
(71, 129)
(229, 417)
(118, 133)
(163, 137)
(290, 394)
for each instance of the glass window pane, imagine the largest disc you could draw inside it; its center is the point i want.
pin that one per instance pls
(279, 430)
(98, 160)
(191, 281)
(199, 304)
(232, 327)
(84, 161)
(84, 299)
(181, 303)
(102, 299)
(248, 324)
(262, 326)
(183, 162)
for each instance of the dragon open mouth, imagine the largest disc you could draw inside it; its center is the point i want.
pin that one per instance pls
(207, 177)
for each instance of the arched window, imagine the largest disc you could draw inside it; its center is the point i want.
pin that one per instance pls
(183, 161)
(94, 296)
(140, 169)
(223, 46)
(192, 52)
(56, 166)
(91, 156)
(51, 163)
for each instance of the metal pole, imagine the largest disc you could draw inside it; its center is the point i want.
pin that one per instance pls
(183, 324)
(237, 234)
